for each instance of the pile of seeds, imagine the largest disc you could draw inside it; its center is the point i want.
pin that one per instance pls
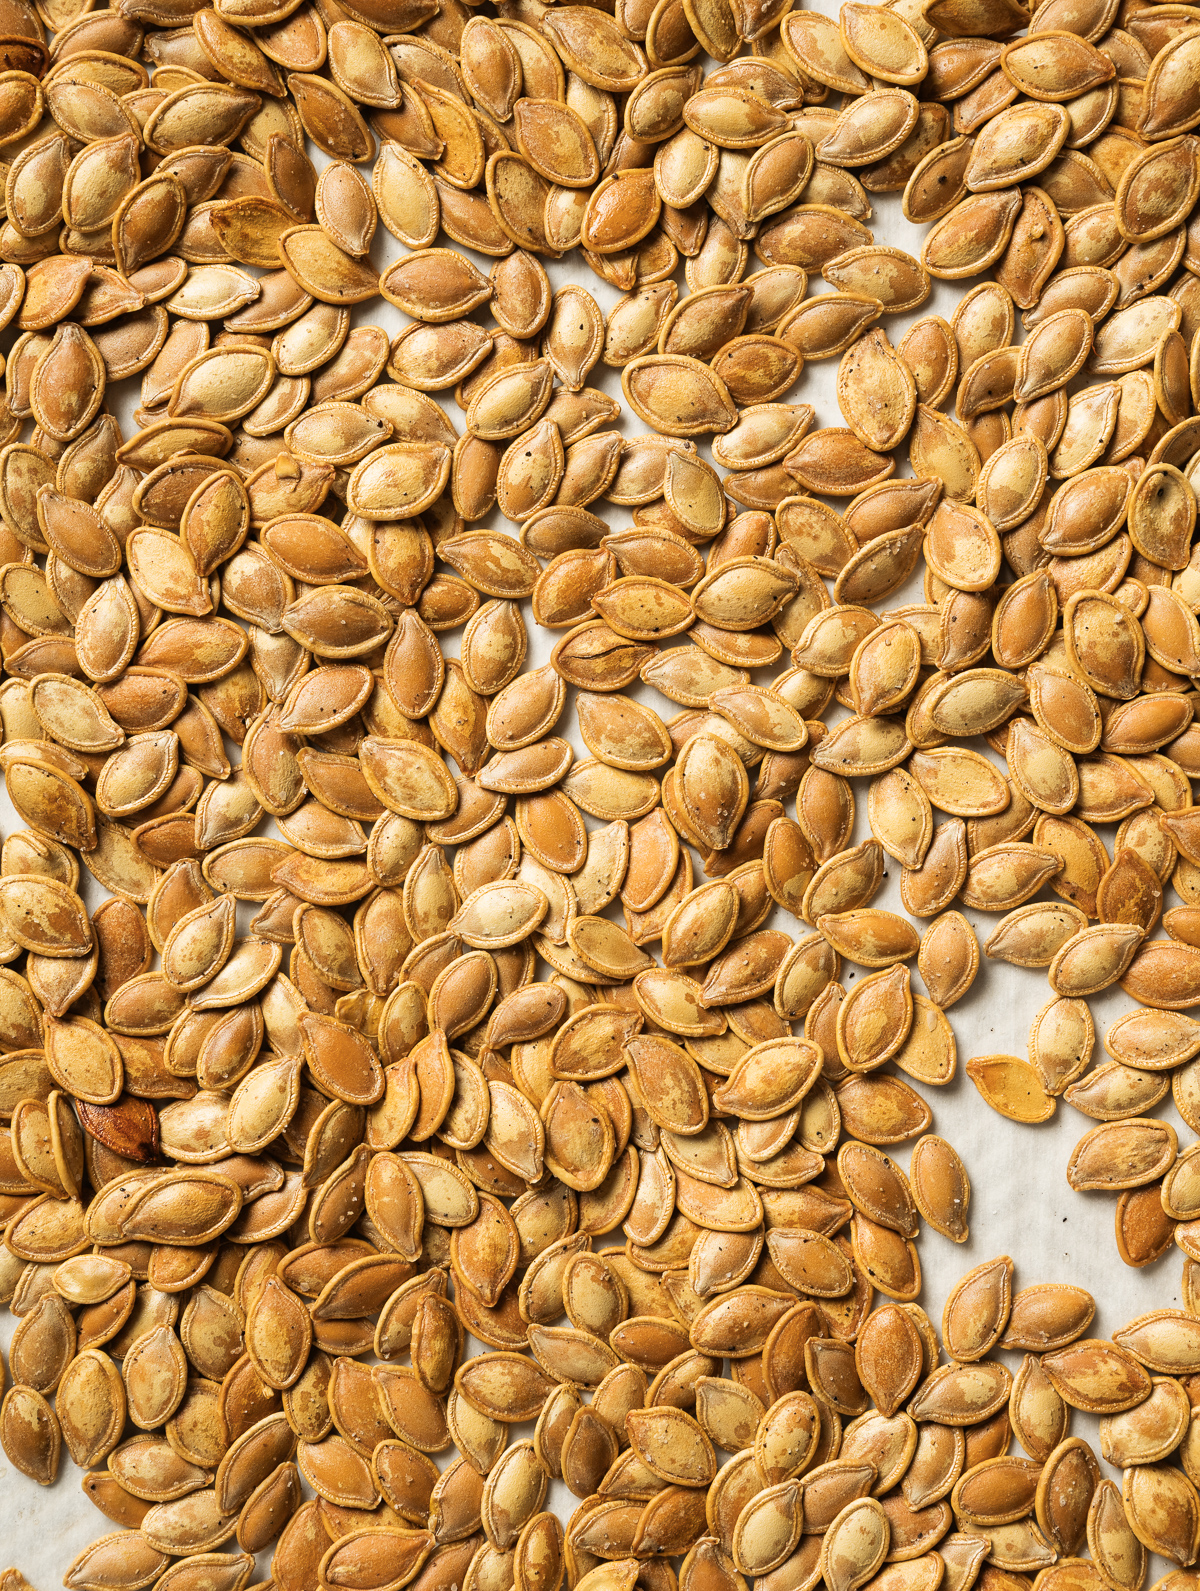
(252, 1212)
(828, 1477)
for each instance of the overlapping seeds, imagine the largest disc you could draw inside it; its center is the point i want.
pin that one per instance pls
(354, 1061)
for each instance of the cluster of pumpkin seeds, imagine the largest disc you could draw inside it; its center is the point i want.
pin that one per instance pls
(253, 1211)
(855, 1456)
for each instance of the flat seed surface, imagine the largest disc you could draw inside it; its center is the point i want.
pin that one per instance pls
(438, 919)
